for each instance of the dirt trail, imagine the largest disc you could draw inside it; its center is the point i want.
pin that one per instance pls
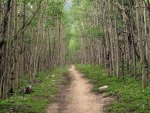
(78, 98)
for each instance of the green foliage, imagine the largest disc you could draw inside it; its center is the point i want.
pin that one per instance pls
(127, 2)
(72, 37)
(96, 32)
(54, 11)
(129, 95)
(148, 1)
(44, 93)
(34, 22)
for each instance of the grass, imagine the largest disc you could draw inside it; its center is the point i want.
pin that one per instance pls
(130, 98)
(44, 93)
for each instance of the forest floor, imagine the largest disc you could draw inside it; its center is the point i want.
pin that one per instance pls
(78, 98)
(73, 92)
(45, 90)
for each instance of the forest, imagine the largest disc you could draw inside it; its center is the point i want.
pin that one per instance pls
(106, 40)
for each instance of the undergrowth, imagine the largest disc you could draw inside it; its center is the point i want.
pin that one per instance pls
(44, 93)
(130, 98)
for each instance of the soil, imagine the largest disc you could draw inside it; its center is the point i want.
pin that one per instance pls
(77, 97)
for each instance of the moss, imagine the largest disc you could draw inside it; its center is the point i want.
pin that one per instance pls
(130, 97)
(44, 93)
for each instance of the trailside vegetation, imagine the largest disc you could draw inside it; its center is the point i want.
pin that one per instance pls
(45, 91)
(32, 39)
(114, 34)
(127, 93)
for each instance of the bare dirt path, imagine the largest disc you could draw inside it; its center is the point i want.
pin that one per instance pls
(78, 98)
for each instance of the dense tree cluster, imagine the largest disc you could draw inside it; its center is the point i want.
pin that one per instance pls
(115, 34)
(31, 40)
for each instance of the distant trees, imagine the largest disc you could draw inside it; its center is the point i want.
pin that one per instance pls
(115, 33)
(31, 40)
